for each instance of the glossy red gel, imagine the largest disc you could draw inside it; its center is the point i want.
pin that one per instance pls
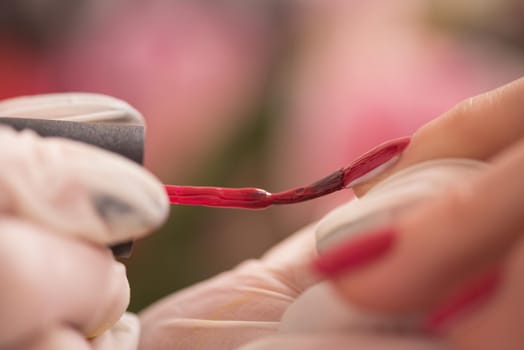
(255, 198)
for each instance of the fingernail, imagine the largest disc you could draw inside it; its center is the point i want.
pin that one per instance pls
(355, 253)
(375, 161)
(462, 302)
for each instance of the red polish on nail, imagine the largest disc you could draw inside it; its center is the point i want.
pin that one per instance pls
(465, 300)
(255, 198)
(357, 252)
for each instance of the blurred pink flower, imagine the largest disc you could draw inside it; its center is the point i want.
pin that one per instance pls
(192, 68)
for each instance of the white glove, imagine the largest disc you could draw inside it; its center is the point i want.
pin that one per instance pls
(61, 204)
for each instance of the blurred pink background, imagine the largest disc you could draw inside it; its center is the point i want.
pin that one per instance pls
(269, 94)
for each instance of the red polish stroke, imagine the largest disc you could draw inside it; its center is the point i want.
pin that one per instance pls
(255, 198)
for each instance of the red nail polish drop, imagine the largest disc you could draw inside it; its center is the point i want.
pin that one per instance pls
(255, 198)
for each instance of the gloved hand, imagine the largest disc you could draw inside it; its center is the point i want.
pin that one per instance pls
(243, 308)
(62, 203)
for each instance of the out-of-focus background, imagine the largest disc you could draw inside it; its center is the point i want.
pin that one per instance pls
(271, 94)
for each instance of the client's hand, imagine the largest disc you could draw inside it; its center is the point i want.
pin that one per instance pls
(435, 250)
(458, 260)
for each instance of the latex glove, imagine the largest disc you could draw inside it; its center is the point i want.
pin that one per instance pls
(61, 204)
(247, 304)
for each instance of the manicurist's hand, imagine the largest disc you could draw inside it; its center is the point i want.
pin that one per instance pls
(62, 204)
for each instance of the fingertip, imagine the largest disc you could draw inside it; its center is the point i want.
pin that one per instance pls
(59, 337)
(113, 304)
(53, 279)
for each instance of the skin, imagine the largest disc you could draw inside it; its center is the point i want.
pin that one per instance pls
(473, 227)
(440, 246)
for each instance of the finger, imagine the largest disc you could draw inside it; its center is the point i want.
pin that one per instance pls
(434, 248)
(236, 306)
(333, 314)
(289, 260)
(347, 341)
(257, 290)
(77, 189)
(51, 280)
(477, 128)
(59, 338)
(496, 321)
(220, 313)
(124, 335)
